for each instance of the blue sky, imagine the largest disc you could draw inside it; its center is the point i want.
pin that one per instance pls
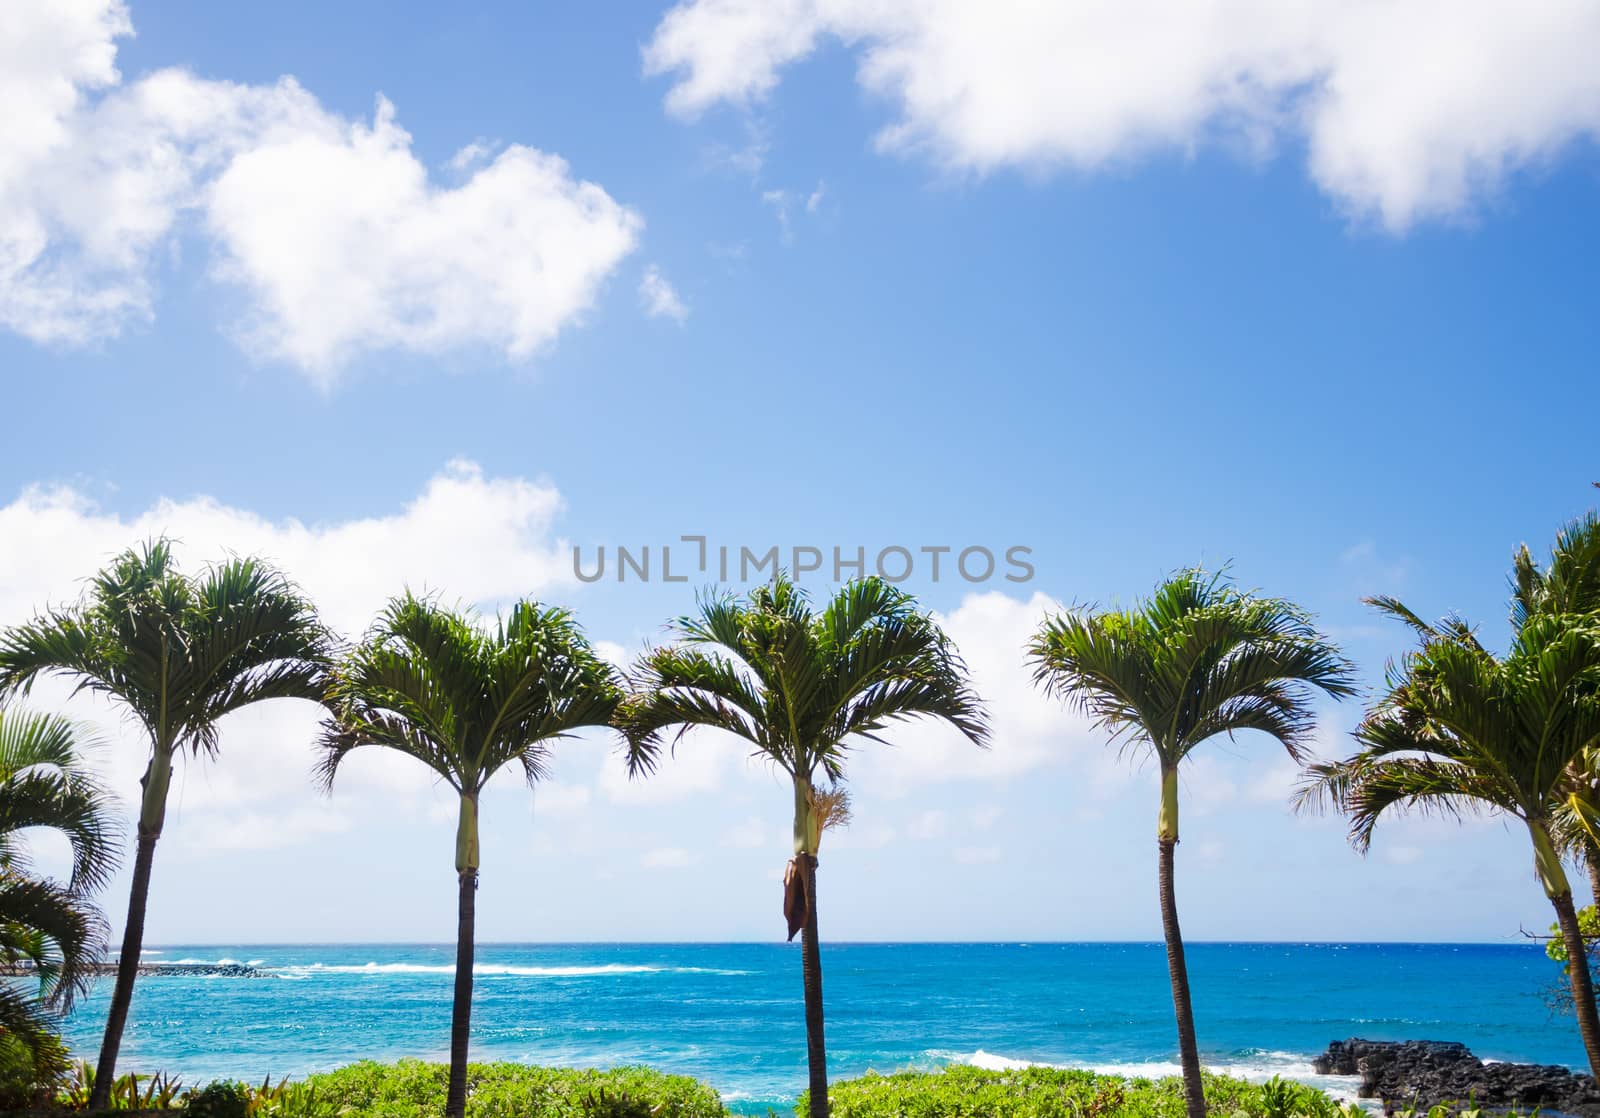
(1330, 319)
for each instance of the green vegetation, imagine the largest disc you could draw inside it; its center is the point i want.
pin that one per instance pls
(1197, 660)
(801, 687)
(178, 654)
(467, 702)
(964, 1092)
(48, 927)
(408, 1089)
(414, 1089)
(1461, 730)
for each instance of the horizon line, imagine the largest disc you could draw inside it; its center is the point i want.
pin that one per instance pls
(1521, 941)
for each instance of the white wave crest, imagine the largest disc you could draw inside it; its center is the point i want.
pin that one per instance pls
(1255, 1067)
(498, 969)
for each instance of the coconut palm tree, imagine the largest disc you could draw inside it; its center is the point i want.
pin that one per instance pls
(1460, 730)
(802, 688)
(179, 653)
(467, 701)
(50, 929)
(1196, 660)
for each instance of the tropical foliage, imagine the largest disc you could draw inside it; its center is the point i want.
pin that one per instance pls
(412, 1089)
(1568, 586)
(802, 688)
(1461, 730)
(49, 928)
(1197, 660)
(1042, 1092)
(467, 701)
(178, 653)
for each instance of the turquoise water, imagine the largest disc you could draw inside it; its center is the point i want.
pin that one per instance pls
(731, 1014)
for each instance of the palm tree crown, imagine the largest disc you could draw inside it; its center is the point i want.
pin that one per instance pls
(465, 700)
(1568, 584)
(1461, 730)
(179, 652)
(800, 686)
(1197, 659)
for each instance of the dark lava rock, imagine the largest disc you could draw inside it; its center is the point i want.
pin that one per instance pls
(1439, 1071)
(152, 970)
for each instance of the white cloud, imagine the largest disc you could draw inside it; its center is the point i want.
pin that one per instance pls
(977, 855)
(484, 539)
(552, 797)
(472, 155)
(858, 836)
(752, 834)
(668, 858)
(928, 825)
(703, 762)
(331, 228)
(1402, 855)
(1410, 110)
(1206, 784)
(784, 202)
(659, 298)
(480, 539)
(1029, 729)
(255, 830)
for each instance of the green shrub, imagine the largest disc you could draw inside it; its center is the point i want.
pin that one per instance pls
(30, 1075)
(965, 1092)
(413, 1089)
(219, 1100)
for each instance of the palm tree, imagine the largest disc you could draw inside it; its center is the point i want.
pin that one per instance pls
(1461, 730)
(467, 702)
(802, 688)
(179, 653)
(1195, 660)
(49, 929)
(1568, 585)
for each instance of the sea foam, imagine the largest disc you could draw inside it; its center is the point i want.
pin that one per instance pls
(498, 970)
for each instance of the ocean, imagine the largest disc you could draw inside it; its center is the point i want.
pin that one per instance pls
(730, 1014)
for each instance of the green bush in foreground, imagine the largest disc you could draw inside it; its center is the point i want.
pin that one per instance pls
(413, 1089)
(965, 1092)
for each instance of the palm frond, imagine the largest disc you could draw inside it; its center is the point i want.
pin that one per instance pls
(798, 685)
(45, 781)
(464, 698)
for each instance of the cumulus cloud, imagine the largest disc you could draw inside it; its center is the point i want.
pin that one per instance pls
(484, 539)
(668, 858)
(331, 229)
(1409, 110)
(1029, 730)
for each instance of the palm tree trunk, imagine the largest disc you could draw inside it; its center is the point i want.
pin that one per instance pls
(1188, 1053)
(461, 1017)
(1591, 862)
(811, 955)
(1578, 973)
(127, 971)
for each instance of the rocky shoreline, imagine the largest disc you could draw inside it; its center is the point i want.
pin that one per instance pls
(153, 970)
(1436, 1071)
